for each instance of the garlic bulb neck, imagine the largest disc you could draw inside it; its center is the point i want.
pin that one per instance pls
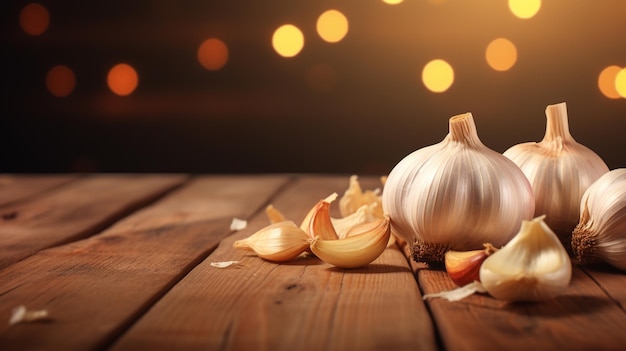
(463, 130)
(557, 125)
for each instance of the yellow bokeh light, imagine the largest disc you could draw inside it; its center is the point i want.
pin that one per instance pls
(524, 8)
(34, 19)
(332, 26)
(501, 54)
(620, 82)
(288, 40)
(122, 79)
(392, 2)
(607, 80)
(213, 54)
(60, 81)
(438, 76)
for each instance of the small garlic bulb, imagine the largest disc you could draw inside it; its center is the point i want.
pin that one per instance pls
(601, 232)
(533, 266)
(456, 195)
(559, 170)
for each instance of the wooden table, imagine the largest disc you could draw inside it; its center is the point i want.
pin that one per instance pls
(123, 262)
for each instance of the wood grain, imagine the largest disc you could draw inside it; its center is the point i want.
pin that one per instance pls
(23, 186)
(69, 213)
(300, 305)
(95, 288)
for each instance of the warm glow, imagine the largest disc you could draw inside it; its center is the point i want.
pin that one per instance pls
(332, 26)
(524, 8)
(288, 40)
(392, 2)
(122, 79)
(607, 80)
(321, 78)
(438, 76)
(34, 19)
(620, 82)
(60, 81)
(213, 54)
(501, 54)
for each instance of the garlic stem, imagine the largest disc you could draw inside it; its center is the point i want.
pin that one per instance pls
(557, 126)
(463, 130)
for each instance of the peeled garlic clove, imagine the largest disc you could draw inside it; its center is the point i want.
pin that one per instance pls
(533, 266)
(559, 170)
(463, 267)
(278, 242)
(456, 195)
(357, 250)
(601, 231)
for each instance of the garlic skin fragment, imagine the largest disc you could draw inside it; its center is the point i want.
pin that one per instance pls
(355, 198)
(559, 170)
(456, 195)
(278, 242)
(533, 266)
(601, 231)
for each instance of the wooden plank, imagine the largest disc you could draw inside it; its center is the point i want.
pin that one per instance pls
(583, 318)
(19, 187)
(94, 288)
(611, 280)
(301, 305)
(75, 211)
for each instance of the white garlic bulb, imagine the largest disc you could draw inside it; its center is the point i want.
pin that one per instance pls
(456, 195)
(559, 170)
(601, 232)
(533, 266)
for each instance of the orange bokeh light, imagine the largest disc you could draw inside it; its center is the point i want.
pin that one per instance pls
(60, 81)
(122, 79)
(34, 19)
(213, 54)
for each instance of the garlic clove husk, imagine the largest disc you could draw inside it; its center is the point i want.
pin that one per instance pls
(559, 170)
(601, 232)
(354, 198)
(533, 266)
(318, 219)
(463, 267)
(274, 215)
(356, 250)
(365, 214)
(456, 195)
(278, 242)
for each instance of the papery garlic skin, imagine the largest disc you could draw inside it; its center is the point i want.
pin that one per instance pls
(601, 231)
(533, 266)
(559, 170)
(456, 195)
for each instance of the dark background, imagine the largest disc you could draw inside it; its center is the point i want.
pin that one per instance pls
(261, 114)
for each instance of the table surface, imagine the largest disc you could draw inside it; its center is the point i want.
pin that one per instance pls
(123, 262)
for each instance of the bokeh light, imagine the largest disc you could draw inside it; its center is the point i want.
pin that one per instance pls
(34, 19)
(288, 40)
(60, 81)
(122, 79)
(438, 76)
(524, 8)
(501, 54)
(606, 82)
(392, 2)
(332, 26)
(213, 54)
(620, 82)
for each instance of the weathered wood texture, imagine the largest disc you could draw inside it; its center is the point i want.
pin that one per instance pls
(303, 305)
(95, 288)
(20, 187)
(68, 213)
(129, 268)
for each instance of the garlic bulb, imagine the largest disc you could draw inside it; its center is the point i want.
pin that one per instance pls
(559, 170)
(601, 232)
(456, 195)
(533, 266)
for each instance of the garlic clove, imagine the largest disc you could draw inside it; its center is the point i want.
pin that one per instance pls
(278, 242)
(356, 250)
(601, 232)
(274, 215)
(533, 266)
(321, 210)
(559, 170)
(364, 214)
(354, 198)
(463, 267)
